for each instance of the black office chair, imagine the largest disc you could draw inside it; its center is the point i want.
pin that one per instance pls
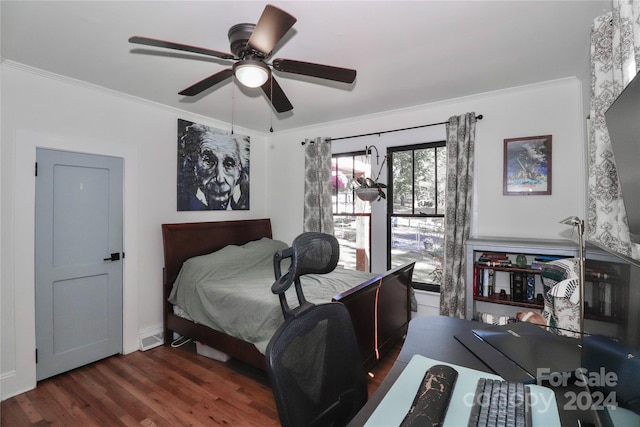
(313, 359)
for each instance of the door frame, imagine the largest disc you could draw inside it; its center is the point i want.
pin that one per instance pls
(23, 376)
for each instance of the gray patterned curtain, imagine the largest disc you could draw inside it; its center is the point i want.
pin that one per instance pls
(615, 56)
(318, 212)
(461, 135)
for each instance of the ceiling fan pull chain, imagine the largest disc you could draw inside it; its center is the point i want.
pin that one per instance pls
(271, 100)
(233, 102)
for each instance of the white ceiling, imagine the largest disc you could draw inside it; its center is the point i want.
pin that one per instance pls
(406, 53)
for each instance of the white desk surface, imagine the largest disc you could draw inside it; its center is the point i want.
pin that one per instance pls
(395, 405)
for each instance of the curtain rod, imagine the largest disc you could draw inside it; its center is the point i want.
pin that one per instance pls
(478, 117)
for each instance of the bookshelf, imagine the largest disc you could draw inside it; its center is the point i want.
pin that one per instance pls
(505, 268)
(606, 287)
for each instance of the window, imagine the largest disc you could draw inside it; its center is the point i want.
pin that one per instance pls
(351, 216)
(416, 207)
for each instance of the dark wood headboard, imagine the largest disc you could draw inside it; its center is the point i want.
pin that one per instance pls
(186, 240)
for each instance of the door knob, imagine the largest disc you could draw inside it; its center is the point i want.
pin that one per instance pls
(114, 257)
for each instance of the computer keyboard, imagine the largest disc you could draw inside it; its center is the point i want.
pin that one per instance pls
(501, 403)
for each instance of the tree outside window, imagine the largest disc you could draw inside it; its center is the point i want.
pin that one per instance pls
(416, 210)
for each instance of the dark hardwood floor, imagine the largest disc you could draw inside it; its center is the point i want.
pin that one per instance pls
(163, 386)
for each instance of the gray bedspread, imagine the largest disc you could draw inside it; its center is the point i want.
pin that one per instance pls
(230, 290)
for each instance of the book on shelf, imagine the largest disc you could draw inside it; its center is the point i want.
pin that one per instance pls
(518, 285)
(478, 278)
(596, 271)
(483, 281)
(494, 255)
(605, 299)
(491, 283)
(547, 258)
(540, 261)
(531, 288)
(601, 275)
(495, 263)
(475, 280)
(492, 261)
(538, 265)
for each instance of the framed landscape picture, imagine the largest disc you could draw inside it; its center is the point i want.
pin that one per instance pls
(527, 166)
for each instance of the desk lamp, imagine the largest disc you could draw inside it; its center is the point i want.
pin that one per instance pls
(577, 222)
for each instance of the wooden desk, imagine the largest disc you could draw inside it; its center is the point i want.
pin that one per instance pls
(434, 337)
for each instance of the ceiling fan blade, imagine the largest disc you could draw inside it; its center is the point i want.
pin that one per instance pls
(205, 84)
(327, 72)
(278, 99)
(170, 45)
(271, 27)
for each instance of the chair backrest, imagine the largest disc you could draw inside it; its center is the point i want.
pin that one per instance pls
(313, 360)
(310, 253)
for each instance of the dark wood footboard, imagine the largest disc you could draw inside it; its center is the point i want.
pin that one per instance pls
(379, 308)
(380, 311)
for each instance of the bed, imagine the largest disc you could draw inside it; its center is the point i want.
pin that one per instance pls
(379, 306)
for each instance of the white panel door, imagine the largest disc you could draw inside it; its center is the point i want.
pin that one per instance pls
(79, 217)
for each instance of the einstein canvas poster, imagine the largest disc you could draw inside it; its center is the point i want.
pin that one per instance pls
(213, 168)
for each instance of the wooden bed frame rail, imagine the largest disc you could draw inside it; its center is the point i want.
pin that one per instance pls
(380, 311)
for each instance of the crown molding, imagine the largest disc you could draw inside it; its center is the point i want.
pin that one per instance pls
(124, 96)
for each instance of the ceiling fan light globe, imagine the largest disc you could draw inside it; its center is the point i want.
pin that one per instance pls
(251, 73)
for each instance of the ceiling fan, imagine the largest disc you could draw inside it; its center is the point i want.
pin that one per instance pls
(251, 46)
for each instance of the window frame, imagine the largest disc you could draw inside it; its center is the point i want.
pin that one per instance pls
(433, 287)
(353, 214)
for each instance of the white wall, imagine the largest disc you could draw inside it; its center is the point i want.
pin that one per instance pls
(550, 108)
(427, 303)
(41, 110)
